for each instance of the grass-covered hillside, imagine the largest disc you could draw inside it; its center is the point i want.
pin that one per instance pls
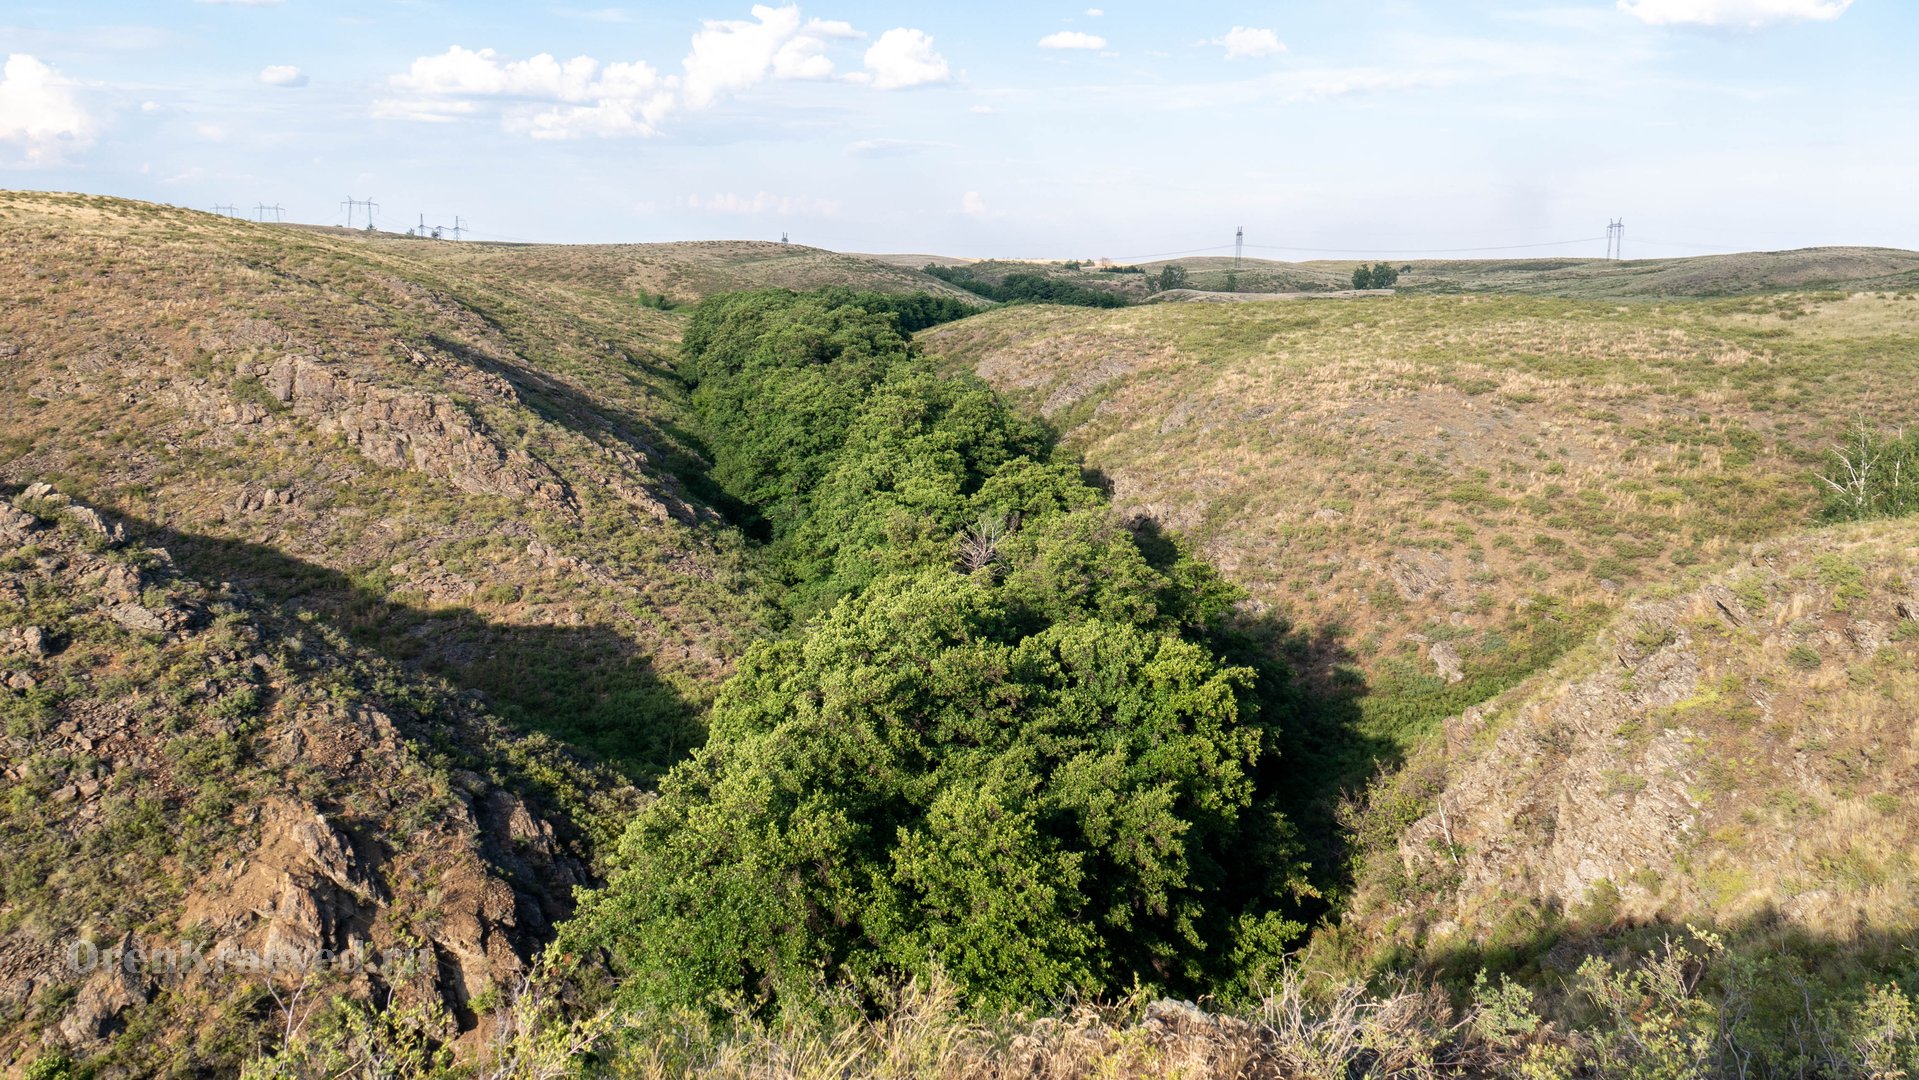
(1745, 274)
(468, 457)
(1737, 752)
(1749, 273)
(686, 271)
(1442, 494)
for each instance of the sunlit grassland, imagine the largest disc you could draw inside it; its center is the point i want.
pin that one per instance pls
(1490, 474)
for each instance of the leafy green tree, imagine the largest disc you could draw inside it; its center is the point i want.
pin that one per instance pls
(1362, 277)
(917, 783)
(1002, 743)
(1174, 276)
(1027, 287)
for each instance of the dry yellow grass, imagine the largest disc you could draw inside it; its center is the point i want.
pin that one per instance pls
(1742, 753)
(468, 456)
(1480, 476)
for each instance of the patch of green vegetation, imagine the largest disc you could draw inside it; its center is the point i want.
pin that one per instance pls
(1028, 288)
(1006, 743)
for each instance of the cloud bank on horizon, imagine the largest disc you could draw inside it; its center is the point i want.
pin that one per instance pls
(896, 126)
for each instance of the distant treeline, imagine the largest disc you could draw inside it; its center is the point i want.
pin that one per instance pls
(1028, 288)
(913, 312)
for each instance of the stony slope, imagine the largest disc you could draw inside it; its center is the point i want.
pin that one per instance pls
(1739, 752)
(462, 455)
(206, 787)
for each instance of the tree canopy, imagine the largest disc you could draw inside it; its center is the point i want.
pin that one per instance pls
(1002, 743)
(1378, 276)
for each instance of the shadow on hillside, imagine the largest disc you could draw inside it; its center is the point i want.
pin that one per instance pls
(588, 687)
(1755, 957)
(680, 452)
(1309, 694)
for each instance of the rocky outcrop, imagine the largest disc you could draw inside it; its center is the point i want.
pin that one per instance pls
(304, 840)
(406, 430)
(1743, 750)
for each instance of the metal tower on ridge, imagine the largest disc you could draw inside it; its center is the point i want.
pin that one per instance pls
(1239, 247)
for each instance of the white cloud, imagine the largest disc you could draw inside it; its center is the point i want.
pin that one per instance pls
(1245, 42)
(764, 203)
(972, 205)
(1749, 14)
(1072, 39)
(730, 55)
(904, 58)
(242, 3)
(983, 110)
(1094, 12)
(38, 110)
(149, 106)
(548, 98)
(282, 75)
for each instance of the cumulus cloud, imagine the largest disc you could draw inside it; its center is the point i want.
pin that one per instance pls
(242, 3)
(1249, 42)
(905, 58)
(550, 98)
(1747, 14)
(972, 205)
(764, 203)
(730, 55)
(282, 75)
(39, 112)
(1072, 39)
(547, 98)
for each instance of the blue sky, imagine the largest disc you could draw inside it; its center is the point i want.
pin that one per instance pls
(1030, 129)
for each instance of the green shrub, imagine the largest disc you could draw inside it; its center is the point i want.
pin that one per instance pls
(1872, 474)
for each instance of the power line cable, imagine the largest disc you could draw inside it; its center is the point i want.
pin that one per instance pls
(1428, 251)
(1170, 254)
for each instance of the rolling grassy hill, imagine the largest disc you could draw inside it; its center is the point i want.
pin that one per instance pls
(1747, 273)
(1443, 494)
(1848, 269)
(464, 456)
(1744, 274)
(685, 272)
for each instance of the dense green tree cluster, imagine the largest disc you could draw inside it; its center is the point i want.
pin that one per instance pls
(912, 312)
(1006, 746)
(1378, 276)
(1028, 287)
